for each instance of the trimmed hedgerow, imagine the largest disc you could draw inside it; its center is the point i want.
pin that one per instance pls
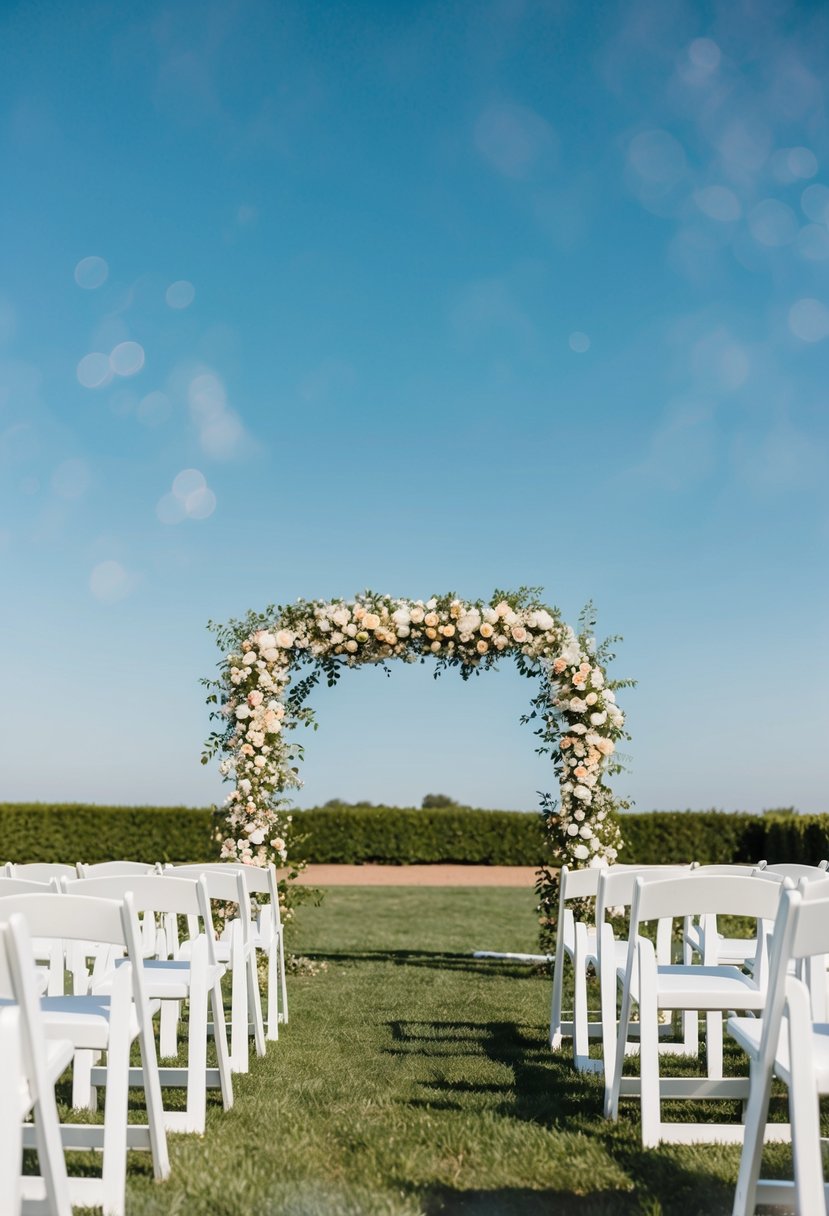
(71, 832)
(402, 835)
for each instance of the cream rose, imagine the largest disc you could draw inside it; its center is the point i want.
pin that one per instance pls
(371, 621)
(285, 639)
(482, 647)
(486, 630)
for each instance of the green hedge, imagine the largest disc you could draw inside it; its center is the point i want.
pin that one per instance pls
(400, 835)
(71, 832)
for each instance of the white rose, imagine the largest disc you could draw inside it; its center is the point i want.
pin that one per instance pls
(578, 728)
(257, 836)
(490, 616)
(597, 678)
(572, 830)
(417, 615)
(591, 698)
(577, 705)
(242, 712)
(582, 793)
(259, 761)
(337, 637)
(581, 852)
(431, 604)
(323, 624)
(250, 658)
(401, 617)
(403, 631)
(598, 719)
(585, 831)
(266, 641)
(609, 695)
(351, 646)
(285, 639)
(245, 786)
(341, 617)
(271, 655)
(543, 620)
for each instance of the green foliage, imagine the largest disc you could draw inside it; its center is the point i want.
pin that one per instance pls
(70, 832)
(340, 833)
(430, 801)
(710, 837)
(401, 835)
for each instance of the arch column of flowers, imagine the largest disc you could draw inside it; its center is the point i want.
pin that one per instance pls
(273, 660)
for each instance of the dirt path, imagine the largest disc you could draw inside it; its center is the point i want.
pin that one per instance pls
(418, 876)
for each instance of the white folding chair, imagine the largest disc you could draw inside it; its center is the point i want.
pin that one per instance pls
(266, 932)
(789, 1043)
(107, 1023)
(31, 1064)
(196, 980)
(237, 949)
(576, 941)
(735, 950)
(116, 869)
(712, 989)
(39, 871)
(615, 894)
(49, 950)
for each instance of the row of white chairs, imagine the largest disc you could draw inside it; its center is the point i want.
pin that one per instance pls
(782, 991)
(115, 932)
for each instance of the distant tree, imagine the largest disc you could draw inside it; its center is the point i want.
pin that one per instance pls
(335, 802)
(435, 800)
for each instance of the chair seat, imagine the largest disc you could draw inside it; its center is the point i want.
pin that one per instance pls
(166, 978)
(690, 987)
(747, 1032)
(82, 1019)
(736, 949)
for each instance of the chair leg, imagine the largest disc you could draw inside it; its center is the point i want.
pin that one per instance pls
(649, 1066)
(555, 1036)
(611, 1099)
(581, 1036)
(283, 987)
(255, 1004)
(84, 1093)
(713, 1044)
(217, 1010)
(197, 1048)
(804, 1112)
(114, 1172)
(239, 1048)
(273, 989)
(745, 1195)
(168, 1035)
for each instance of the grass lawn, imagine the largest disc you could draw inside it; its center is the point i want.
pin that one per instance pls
(414, 1081)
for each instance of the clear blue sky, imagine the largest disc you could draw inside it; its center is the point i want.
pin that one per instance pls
(297, 299)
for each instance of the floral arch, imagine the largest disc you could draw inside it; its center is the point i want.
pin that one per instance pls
(272, 662)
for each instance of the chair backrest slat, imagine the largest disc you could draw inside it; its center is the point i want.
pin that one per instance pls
(74, 917)
(692, 894)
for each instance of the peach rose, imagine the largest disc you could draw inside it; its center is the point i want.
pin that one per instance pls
(448, 631)
(431, 619)
(416, 615)
(371, 621)
(580, 771)
(431, 633)
(435, 647)
(482, 647)
(519, 633)
(558, 666)
(486, 630)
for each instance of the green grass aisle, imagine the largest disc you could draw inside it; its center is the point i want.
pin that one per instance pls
(415, 1081)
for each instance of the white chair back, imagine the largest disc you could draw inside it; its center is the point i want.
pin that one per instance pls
(39, 871)
(103, 869)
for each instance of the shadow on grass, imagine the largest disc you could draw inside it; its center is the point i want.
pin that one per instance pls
(441, 960)
(545, 1090)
